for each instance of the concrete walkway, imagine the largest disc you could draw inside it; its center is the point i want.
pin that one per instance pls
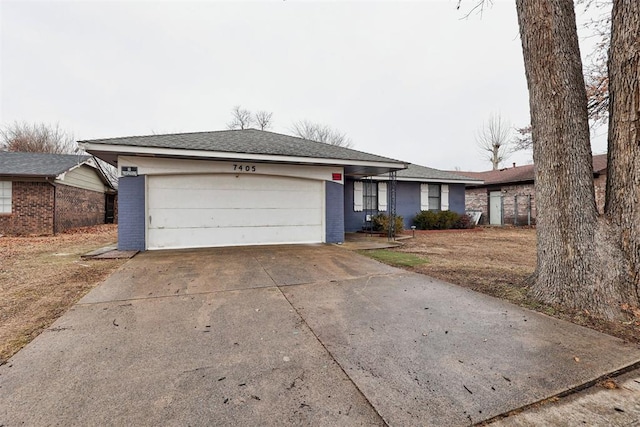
(292, 335)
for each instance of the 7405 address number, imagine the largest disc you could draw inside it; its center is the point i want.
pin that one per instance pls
(244, 168)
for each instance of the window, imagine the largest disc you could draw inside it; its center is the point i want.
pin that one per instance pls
(434, 197)
(5, 197)
(370, 195)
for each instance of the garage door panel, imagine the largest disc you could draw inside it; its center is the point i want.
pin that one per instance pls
(227, 182)
(217, 218)
(222, 210)
(190, 198)
(231, 236)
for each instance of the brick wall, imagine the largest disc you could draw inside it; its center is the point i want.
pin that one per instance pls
(77, 207)
(131, 213)
(515, 203)
(32, 209)
(334, 194)
(476, 199)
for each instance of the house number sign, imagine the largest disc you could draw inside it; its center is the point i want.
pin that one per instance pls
(243, 168)
(129, 171)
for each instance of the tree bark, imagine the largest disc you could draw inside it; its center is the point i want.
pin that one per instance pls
(567, 215)
(584, 262)
(622, 206)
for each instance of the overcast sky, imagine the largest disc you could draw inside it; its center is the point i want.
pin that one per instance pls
(408, 80)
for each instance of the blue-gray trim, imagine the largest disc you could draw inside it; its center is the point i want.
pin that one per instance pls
(131, 213)
(334, 211)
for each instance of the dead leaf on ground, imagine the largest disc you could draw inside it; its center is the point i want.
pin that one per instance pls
(609, 384)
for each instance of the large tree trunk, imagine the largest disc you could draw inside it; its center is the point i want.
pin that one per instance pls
(567, 216)
(622, 207)
(584, 262)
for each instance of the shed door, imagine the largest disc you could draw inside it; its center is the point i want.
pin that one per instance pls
(190, 211)
(495, 208)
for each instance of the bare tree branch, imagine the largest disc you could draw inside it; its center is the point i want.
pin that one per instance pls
(478, 8)
(36, 138)
(263, 119)
(321, 133)
(493, 140)
(241, 118)
(523, 140)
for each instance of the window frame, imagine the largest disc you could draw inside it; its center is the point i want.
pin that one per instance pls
(435, 196)
(370, 198)
(6, 197)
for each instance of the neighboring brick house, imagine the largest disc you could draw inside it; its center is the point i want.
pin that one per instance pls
(508, 195)
(50, 193)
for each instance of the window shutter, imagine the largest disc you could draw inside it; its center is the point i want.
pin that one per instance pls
(444, 197)
(424, 197)
(382, 196)
(357, 196)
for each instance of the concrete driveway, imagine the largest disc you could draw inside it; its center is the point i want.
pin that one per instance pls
(292, 335)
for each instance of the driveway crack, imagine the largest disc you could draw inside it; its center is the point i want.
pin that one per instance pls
(364, 396)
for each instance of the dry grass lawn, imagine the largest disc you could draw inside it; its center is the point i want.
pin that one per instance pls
(42, 277)
(497, 261)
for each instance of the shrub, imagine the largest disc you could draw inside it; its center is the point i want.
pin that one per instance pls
(443, 220)
(464, 222)
(381, 223)
(426, 220)
(447, 219)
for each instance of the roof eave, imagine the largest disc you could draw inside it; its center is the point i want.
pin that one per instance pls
(100, 151)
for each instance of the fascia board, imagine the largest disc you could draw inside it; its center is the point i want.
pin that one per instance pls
(222, 155)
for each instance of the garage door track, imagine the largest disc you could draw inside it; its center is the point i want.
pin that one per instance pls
(292, 335)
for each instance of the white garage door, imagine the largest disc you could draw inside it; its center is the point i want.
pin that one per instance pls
(190, 211)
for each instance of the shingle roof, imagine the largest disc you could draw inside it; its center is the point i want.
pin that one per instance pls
(423, 172)
(37, 164)
(524, 173)
(246, 141)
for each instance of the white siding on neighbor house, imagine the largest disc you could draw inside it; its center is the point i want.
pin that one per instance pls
(83, 177)
(205, 210)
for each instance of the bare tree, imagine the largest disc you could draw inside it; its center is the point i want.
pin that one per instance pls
(494, 139)
(241, 118)
(36, 138)
(263, 119)
(321, 133)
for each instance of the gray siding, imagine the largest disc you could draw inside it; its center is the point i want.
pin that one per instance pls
(334, 193)
(131, 213)
(353, 221)
(456, 198)
(407, 203)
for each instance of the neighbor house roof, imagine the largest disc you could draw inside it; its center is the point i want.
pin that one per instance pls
(230, 144)
(423, 173)
(525, 173)
(38, 164)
